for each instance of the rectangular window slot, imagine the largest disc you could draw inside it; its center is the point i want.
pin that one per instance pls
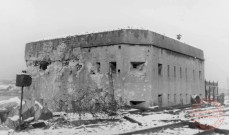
(200, 75)
(113, 67)
(175, 71)
(159, 69)
(168, 71)
(98, 66)
(139, 66)
(180, 72)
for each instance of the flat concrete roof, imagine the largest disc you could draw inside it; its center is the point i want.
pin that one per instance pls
(125, 36)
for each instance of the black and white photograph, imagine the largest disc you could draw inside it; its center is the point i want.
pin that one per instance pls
(114, 67)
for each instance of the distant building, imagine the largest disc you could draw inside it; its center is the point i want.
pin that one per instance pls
(143, 66)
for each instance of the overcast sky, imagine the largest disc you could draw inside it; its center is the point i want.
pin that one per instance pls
(203, 24)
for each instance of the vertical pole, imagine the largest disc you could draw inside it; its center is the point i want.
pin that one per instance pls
(213, 90)
(217, 91)
(20, 119)
(205, 90)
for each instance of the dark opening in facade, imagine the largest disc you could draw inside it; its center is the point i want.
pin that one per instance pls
(98, 66)
(175, 71)
(200, 75)
(159, 69)
(160, 100)
(36, 63)
(44, 65)
(137, 66)
(132, 103)
(113, 67)
(168, 71)
(180, 72)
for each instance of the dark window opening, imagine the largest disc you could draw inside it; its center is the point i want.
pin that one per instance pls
(98, 67)
(92, 72)
(160, 100)
(174, 71)
(44, 65)
(180, 72)
(159, 69)
(186, 73)
(118, 70)
(137, 66)
(200, 75)
(136, 102)
(112, 67)
(36, 63)
(168, 71)
(78, 67)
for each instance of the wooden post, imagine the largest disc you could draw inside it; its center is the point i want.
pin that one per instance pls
(213, 90)
(217, 91)
(205, 90)
(209, 91)
(20, 113)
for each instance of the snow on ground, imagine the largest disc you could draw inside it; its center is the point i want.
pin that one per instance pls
(3, 87)
(152, 119)
(11, 100)
(103, 128)
(226, 102)
(225, 123)
(178, 131)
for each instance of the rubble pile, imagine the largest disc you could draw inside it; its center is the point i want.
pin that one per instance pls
(38, 119)
(31, 111)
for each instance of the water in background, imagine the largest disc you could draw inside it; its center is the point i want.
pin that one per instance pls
(7, 97)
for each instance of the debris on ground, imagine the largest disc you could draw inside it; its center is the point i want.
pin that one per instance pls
(57, 123)
(132, 120)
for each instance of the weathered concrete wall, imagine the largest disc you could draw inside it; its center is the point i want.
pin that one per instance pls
(67, 77)
(125, 36)
(177, 83)
(76, 65)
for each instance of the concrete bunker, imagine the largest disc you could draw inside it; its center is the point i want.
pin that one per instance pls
(126, 66)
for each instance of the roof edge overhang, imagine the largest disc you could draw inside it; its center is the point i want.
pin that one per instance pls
(126, 36)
